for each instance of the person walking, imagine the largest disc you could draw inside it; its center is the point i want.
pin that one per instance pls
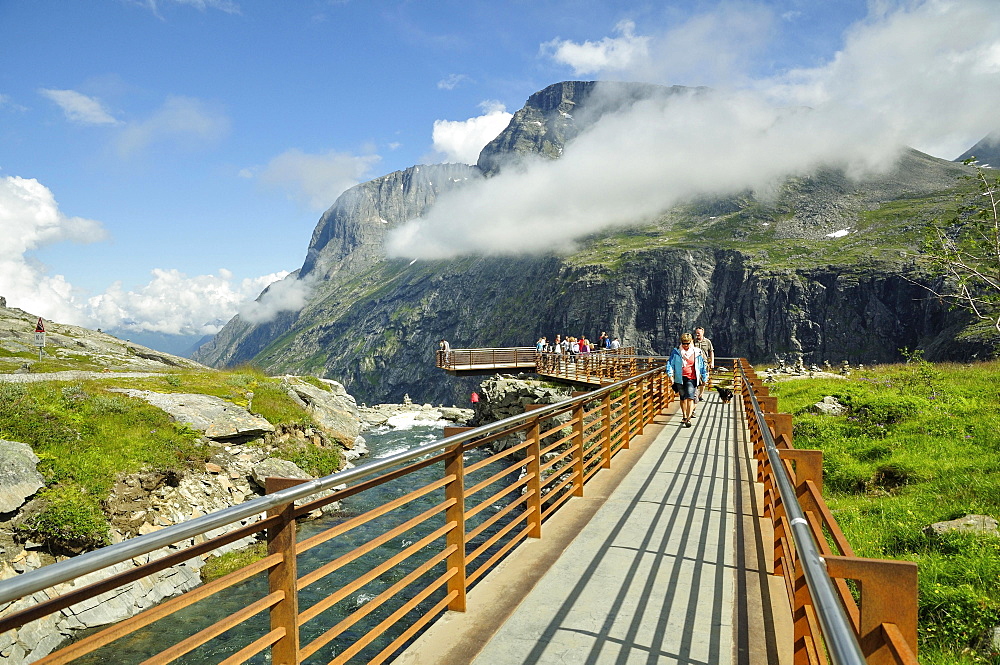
(708, 350)
(687, 370)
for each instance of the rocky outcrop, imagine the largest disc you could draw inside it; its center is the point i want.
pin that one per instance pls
(217, 418)
(80, 346)
(19, 477)
(503, 396)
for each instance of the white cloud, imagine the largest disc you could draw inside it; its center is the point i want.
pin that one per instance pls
(452, 81)
(228, 6)
(175, 303)
(289, 294)
(610, 54)
(462, 140)
(171, 302)
(181, 120)
(713, 48)
(317, 179)
(921, 75)
(7, 102)
(80, 108)
(31, 219)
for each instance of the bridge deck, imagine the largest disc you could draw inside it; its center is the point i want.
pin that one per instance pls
(661, 563)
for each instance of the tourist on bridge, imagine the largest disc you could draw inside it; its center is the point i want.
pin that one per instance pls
(540, 345)
(687, 370)
(615, 344)
(708, 350)
(445, 348)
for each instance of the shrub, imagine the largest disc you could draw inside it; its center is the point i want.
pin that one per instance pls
(315, 460)
(69, 519)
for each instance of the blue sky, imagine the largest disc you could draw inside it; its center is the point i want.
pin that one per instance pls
(162, 160)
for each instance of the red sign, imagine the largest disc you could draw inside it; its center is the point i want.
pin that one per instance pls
(39, 327)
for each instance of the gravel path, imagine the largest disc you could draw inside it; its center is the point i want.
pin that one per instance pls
(73, 375)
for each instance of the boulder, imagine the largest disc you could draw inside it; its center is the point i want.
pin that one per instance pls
(332, 407)
(830, 406)
(278, 468)
(19, 477)
(981, 524)
(217, 418)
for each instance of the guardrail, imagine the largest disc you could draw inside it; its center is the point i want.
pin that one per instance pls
(814, 558)
(454, 511)
(509, 358)
(596, 368)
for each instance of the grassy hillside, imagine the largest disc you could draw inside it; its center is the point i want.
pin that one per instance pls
(87, 437)
(921, 444)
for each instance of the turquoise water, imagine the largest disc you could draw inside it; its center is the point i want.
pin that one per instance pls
(149, 641)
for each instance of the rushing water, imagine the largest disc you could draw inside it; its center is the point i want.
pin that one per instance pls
(381, 442)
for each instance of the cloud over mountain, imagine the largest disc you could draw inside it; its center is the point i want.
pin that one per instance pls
(925, 75)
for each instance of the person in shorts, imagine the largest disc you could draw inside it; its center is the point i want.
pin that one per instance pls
(687, 369)
(707, 350)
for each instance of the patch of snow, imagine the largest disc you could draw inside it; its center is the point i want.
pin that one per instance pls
(838, 234)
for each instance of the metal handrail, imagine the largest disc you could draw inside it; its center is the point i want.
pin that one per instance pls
(69, 569)
(841, 641)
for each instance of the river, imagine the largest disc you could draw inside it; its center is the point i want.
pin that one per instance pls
(382, 442)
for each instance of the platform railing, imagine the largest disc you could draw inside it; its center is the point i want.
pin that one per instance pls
(509, 358)
(448, 512)
(814, 558)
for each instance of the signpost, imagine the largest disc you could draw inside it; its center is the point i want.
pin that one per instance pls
(40, 337)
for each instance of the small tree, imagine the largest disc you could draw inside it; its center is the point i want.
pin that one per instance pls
(966, 251)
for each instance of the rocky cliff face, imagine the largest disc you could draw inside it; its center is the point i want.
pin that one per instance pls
(817, 270)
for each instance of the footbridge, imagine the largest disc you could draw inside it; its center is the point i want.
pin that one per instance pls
(593, 530)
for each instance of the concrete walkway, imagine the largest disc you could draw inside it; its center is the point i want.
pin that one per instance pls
(659, 568)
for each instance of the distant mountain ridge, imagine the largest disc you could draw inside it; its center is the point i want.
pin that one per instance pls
(817, 270)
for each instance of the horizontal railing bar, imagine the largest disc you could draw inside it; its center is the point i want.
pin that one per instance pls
(472, 511)
(419, 623)
(157, 612)
(496, 517)
(511, 544)
(307, 615)
(216, 629)
(486, 482)
(559, 500)
(372, 544)
(255, 647)
(368, 516)
(507, 528)
(375, 602)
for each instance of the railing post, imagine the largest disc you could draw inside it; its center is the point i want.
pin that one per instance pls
(454, 490)
(606, 420)
(888, 596)
(808, 466)
(284, 576)
(780, 423)
(578, 442)
(627, 430)
(534, 471)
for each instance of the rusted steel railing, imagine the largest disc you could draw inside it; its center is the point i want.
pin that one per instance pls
(814, 558)
(598, 368)
(521, 357)
(454, 509)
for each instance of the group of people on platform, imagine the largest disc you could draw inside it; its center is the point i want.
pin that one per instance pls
(573, 346)
(689, 368)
